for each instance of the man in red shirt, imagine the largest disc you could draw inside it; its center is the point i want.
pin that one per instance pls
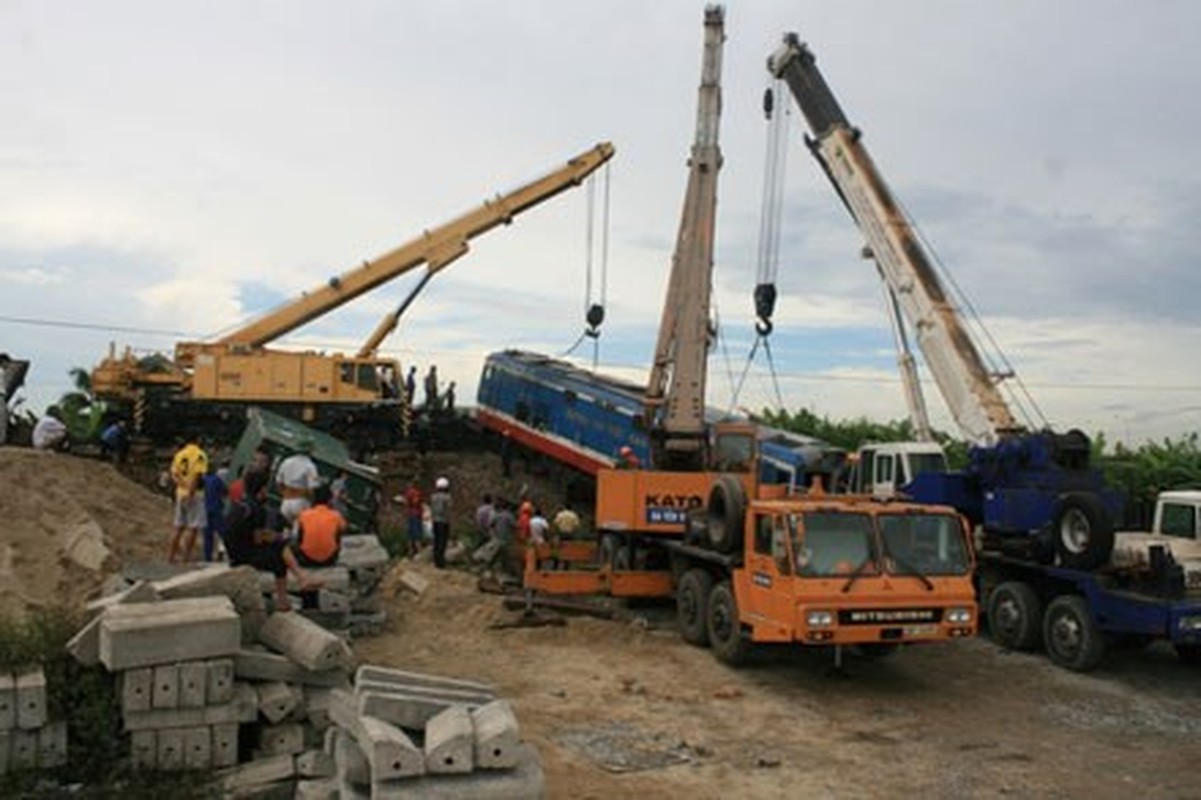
(415, 513)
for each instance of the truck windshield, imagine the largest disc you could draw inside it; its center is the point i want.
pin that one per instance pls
(924, 544)
(832, 543)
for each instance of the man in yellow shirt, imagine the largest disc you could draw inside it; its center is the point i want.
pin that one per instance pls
(188, 469)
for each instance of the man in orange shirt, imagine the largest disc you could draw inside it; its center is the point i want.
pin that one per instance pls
(320, 530)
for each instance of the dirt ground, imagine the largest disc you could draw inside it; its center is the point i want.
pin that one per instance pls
(627, 708)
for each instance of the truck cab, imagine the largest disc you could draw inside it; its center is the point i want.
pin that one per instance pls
(1176, 532)
(881, 469)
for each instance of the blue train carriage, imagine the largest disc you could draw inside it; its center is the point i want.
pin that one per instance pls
(583, 419)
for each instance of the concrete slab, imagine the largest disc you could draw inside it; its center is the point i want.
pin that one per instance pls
(23, 750)
(336, 578)
(239, 584)
(246, 701)
(84, 646)
(410, 708)
(390, 752)
(137, 689)
(525, 781)
(175, 718)
(264, 666)
(219, 686)
(8, 701)
(198, 748)
(170, 750)
(285, 739)
(138, 592)
(497, 736)
(349, 759)
(450, 742)
(319, 789)
(330, 601)
(316, 701)
(143, 749)
(277, 700)
(407, 678)
(165, 693)
(84, 544)
(31, 699)
(258, 772)
(305, 643)
(149, 634)
(224, 745)
(315, 764)
(193, 684)
(414, 582)
(52, 745)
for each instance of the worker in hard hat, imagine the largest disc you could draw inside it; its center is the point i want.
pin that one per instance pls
(440, 516)
(627, 458)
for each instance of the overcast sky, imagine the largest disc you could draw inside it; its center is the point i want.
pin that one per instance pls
(177, 168)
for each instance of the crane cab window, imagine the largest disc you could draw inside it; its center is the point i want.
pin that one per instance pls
(365, 377)
(763, 531)
(734, 453)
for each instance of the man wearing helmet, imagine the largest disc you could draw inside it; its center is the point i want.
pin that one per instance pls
(440, 515)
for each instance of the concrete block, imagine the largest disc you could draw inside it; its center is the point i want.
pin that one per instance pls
(264, 666)
(165, 693)
(23, 750)
(525, 781)
(415, 583)
(170, 749)
(277, 700)
(282, 739)
(193, 684)
(8, 701)
(411, 708)
(316, 702)
(497, 735)
(239, 584)
(375, 674)
(329, 600)
(138, 592)
(320, 789)
(450, 742)
(149, 634)
(219, 687)
(143, 749)
(224, 745)
(137, 689)
(367, 624)
(315, 764)
(84, 646)
(335, 578)
(197, 747)
(31, 699)
(173, 718)
(52, 745)
(349, 759)
(390, 752)
(305, 643)
(257, 773)
(246, 701)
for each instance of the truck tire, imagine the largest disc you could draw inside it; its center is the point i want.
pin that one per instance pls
(1014, 616)
(692, 606)
(1189, 654)
(1083, 531)
(1070, 636)
(727, 510)
(725, 629)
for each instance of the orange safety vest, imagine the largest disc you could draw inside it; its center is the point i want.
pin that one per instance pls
(320, 527)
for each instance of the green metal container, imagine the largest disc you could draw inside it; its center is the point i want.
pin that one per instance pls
(280, 436)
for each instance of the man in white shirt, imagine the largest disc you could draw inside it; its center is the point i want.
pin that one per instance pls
(50, 433)
(296, 478)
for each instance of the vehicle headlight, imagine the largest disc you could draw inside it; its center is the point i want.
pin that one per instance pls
(819, 619)
(1192, 624)
(959, 616)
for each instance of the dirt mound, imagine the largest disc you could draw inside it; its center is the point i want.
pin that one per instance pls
(66, 523)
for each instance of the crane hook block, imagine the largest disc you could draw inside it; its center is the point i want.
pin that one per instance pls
(765, 300)
(595, 316)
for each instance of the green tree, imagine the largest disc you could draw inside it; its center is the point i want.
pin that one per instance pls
(81, 412)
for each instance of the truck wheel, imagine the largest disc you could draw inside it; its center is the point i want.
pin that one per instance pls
(1189, 654)
(1083, 531)
(1014, 613)
(692, 596)
(725, 629)
(727, 509)
(1071, 638)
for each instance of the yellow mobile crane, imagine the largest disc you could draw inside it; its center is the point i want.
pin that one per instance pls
(209, 385)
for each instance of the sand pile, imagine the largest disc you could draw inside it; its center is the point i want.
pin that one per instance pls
(66, 523)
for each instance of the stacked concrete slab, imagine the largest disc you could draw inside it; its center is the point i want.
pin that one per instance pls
(407, 734)
(28, 739)
(348, 602)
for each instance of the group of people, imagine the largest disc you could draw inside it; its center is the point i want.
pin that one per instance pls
(513, 527)
(439, 507)
(237, 517)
